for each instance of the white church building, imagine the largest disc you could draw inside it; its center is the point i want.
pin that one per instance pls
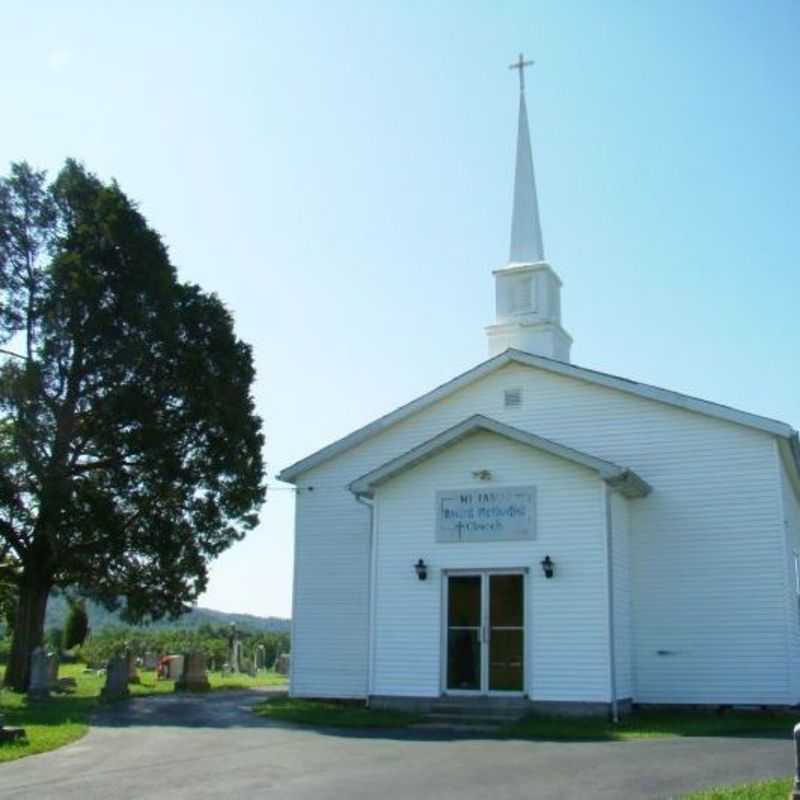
(541, 531)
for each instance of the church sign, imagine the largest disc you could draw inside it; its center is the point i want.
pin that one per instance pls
(486, 514)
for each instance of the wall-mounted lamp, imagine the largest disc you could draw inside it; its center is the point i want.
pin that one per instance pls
(421, 568)
(548, 566)
(482, 474)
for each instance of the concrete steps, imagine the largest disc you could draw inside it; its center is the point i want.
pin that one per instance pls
(479, 712)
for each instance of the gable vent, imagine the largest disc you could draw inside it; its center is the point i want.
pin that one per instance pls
(513, 398)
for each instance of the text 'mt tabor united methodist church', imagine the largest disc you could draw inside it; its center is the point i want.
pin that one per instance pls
(541, 531)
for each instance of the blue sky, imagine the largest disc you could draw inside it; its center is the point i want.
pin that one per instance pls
(341, 175)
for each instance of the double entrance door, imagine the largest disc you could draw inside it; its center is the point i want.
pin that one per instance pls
(485, 623)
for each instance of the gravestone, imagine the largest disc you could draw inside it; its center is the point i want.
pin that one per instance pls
(10, 734)
(40, 680)
(194, 677)
(150, 661)
(174, 667)
(52, 670)
(236, 656)
(261, 657)
(116, 679)
(133, 673)
(282, 664)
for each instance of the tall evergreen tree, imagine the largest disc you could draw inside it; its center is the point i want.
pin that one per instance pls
(77, 625)
(130, 451)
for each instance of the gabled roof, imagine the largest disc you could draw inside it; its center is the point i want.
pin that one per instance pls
(686, 402)
(623, 480)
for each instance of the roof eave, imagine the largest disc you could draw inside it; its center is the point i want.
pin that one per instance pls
(619, 478)
(628, 484)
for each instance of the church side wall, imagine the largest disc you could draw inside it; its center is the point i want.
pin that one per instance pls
(791, 522)
(331, 592)
(621, 574)
(707, 546)
(566, 637)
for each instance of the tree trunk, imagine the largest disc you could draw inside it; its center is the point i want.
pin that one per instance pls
(28, 629)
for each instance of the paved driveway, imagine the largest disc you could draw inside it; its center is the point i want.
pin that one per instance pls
(213, 746)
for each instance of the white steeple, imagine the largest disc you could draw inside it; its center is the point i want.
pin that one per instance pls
(526, 230)
(527, 289)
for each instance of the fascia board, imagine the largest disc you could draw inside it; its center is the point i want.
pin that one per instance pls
(382, 423)
(624, 480)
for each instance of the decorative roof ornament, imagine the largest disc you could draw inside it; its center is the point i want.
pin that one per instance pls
(526, 230)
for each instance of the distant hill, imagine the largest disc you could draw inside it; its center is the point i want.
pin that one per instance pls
(99, 618)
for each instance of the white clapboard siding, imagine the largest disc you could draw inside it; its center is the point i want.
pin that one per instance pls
(621, 574)
(707, 546)
(566, 615)
(791, 522)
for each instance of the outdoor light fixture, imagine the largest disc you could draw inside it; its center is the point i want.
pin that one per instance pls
(482, 474)
(421, 568)
(548, 567)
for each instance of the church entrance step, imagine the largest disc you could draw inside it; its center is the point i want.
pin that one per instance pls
(481, 710)
(470, 719)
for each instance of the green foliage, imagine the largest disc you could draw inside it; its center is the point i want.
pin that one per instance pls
(207, 639)
(101, 618)
(77, 625)
(130, 451)
(55, 639)
(9, 576)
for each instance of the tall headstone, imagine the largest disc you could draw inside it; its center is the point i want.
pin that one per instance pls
(261, 657)
(175, 666)
(150, 661)
(282, 664)
(40, 681)
(236, 656)
(116, 679)
(194, 677)
(133, 672)
(52, 670)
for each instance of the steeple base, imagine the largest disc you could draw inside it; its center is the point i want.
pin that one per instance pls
(539, 338)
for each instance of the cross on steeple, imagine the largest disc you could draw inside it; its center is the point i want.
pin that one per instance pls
(520, 65)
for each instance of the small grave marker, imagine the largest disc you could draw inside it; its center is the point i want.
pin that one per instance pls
(116, 679)
(40, 674)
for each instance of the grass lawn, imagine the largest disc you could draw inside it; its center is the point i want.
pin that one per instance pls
(649, 724)
(340, 715)
(65, 717)
(764, 790)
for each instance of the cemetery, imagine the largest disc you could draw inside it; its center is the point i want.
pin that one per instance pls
(65, 689)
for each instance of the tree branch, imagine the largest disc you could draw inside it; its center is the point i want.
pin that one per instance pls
(11, 353)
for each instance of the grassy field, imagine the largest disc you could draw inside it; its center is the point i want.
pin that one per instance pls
(765, 790)
(340, 715)
(650, 724)
(65, 717)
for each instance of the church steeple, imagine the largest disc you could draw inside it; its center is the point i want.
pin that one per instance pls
(527, 290)
(526, 230)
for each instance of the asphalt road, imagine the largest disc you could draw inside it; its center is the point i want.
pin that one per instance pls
(212, 746)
